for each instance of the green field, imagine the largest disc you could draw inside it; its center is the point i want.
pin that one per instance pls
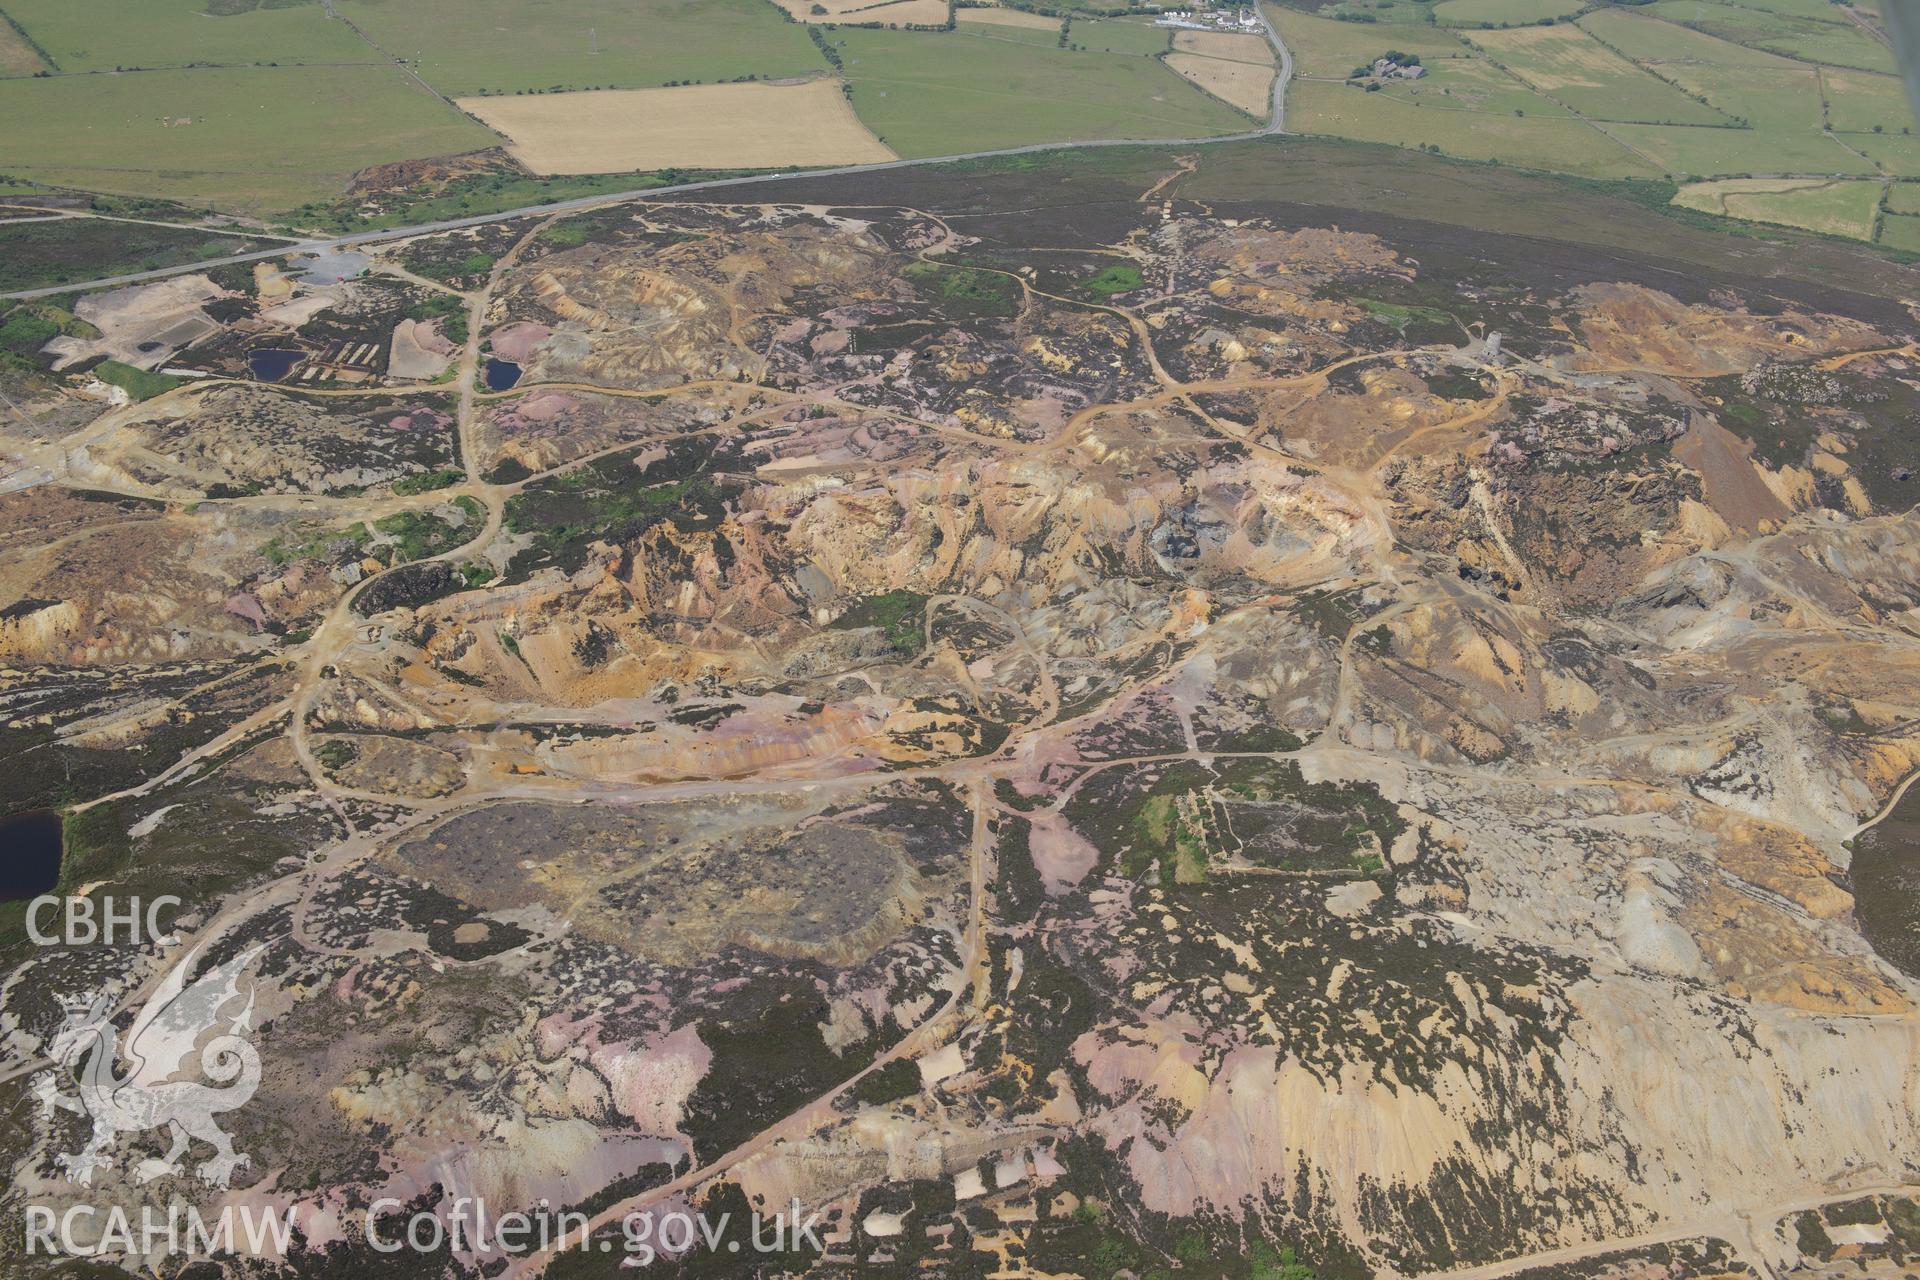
(1901, 231)
(261, 139)
(1904, 197)
(1380, 13)
(1817, 10)
(500, 46)
(1639, 35)
(1325, 49)
(944, 93)
(1761, 89)
(1568, 65)
(1740, 24)
(1473, 84)
(99, 35)
(1120, 35)
(1833, 41)
(1840, 47)
(1860, 102)
(1502, 13)
(1780, 98)
(1710, 153)
(1783, 99)
(1693, 89)
(1897, 153)
(1537, 142)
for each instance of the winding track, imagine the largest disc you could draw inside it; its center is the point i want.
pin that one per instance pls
(1276, 124)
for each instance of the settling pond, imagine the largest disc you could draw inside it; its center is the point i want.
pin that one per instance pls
(29, 854)
(502, 374)
(270, 364)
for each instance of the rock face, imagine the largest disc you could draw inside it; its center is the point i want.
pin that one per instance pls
(1240, 767)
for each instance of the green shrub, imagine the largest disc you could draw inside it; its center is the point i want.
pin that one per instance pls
(26, 331)
(137, 383)
(428, 481)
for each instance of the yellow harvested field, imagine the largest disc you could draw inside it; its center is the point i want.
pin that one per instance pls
(920, 13)
(1225, 44)
(17, 58)
(706, 126)
(1010, 18)
(926, 13)
(1554, 57)
(1241, 84)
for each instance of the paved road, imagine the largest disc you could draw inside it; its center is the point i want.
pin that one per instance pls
(1276, 123)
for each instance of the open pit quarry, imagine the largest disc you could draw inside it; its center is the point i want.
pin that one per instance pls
(1157, 733)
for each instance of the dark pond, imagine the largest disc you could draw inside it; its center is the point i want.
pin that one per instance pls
(29, 855)
(1885, 879)
(270, 364)
(502, 374)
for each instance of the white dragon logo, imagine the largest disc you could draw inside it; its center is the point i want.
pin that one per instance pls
(168, 1037)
